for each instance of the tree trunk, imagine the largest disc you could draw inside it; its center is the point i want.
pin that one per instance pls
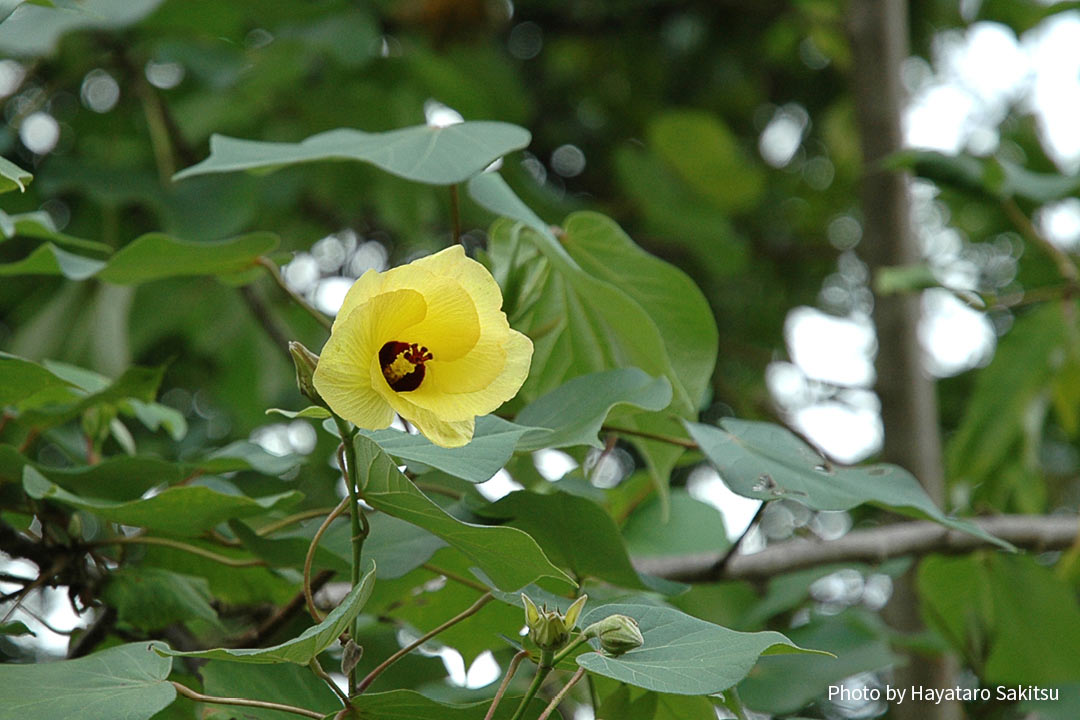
(878, 33)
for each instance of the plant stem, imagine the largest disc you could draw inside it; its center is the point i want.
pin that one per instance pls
(310, 557)
(285, 522)
(347, 461)
(244, 702)
(463, 615)
(505, 682)
(568, 649)
(455, 213)
(559, 696)
(325, 677)
(734, 703)
(1066, 267)
(669, 439)
(455, 577)
(178, 545)
(542, 670)
(275, 273)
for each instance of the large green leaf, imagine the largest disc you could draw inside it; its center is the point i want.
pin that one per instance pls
(186, 511)
(691, 527)
(704, 153)
(576, 533)
(1008, 612)
(666, 293)
(281, 683)
(996, 431)
(682, 654)
(21, 380)
(573, 413)
(410, 705)
(34, 29)
(784, 684)
(490, 448)
(155, 255)
(127, 682)
(509, 556)
(435, 155)
(307, 645)
(124, 477)
(12, 176)
(151, 598)
(765, 461)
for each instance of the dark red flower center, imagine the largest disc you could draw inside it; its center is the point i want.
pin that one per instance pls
(403, 365)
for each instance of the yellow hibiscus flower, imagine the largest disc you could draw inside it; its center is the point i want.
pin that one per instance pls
(427, 340)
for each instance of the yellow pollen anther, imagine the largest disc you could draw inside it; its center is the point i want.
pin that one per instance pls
(398, 369)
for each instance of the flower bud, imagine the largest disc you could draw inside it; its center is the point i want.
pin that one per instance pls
(305, 362)
(617, 634)
(550, 629)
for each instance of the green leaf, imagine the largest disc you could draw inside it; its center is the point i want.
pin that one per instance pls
(48, 259)
(16, 627)
(433, 155)
(399, 547)
(573, 413)
(185, 511)
(307, 645)
(155, 255)
(411, 705)
(34, 30)
(991, 177)
(151, 598)
(12, 176)
(691, 527)
(994, 430)
(784, 684)
(1003, 610)
(704, 153)
(21, 380)
(127, 682)
(682, 654)
(666, 293)
(576, 533)
(312, 412)
(281, 683)
(509, 556)
(489, 450)
(765, 462)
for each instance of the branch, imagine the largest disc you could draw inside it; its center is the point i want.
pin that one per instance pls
(463, 615)
(275, 273)
(1030, 532)
(244, 702)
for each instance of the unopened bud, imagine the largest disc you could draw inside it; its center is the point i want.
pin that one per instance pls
(350, 656)
(305, 362)
(550, 629)
(617, 634)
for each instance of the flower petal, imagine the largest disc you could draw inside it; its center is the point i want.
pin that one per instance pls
(343, 377)
(453, 392)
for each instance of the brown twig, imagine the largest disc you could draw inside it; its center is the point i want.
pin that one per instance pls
(670, 439)
(309, 597)
(258, 636)
(463, 615)
(561, 695)
(510, 670)
(178, 545)
(275, 273)
(461, 579)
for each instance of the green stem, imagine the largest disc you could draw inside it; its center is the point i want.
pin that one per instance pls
(547, 663)
(309, 558)
(734, 703)
(275, 272)
(455, 213)
(347, 453)
(178, 545)
(568, 649)
(317, 668)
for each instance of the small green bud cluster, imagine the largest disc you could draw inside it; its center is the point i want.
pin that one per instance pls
(550, 629)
